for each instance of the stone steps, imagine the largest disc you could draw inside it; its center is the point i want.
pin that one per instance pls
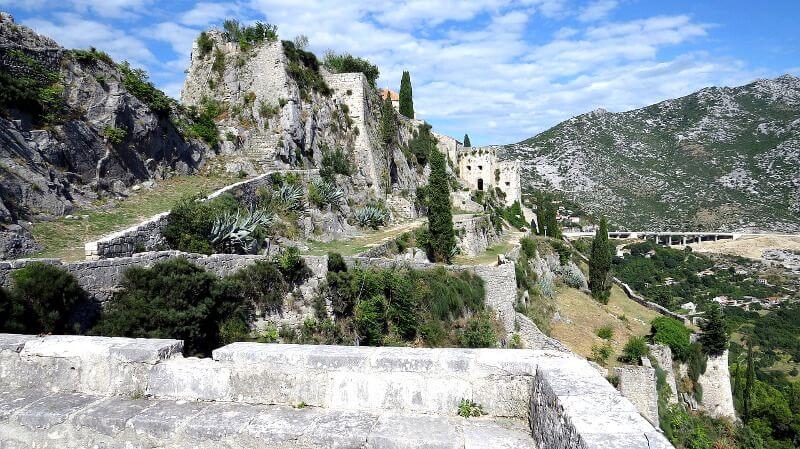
(36, 418)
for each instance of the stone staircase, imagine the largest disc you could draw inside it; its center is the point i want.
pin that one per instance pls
(260, 152)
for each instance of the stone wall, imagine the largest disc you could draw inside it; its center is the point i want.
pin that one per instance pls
(474, 234)
(716, 383)
(638, 384)
(662, 355)
(125, 392)
(533, 338)
(448, 145)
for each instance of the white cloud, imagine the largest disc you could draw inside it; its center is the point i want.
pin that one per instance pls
(205, 13)
(72, 31)
(597, 10)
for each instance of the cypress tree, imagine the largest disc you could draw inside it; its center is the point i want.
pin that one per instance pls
(388, 124)
(467, 143)
(440, 217)
(546, 218)
(750, 378)
(406, 97)
(714, 337)
(600, 264)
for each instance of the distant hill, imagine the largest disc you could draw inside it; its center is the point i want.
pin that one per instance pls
(720, 158)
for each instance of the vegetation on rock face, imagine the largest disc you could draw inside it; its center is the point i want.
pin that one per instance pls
(347, 63)
(546, 218)
(203, 125)
(204, 44)
(406, 96)
(249, 36)
(600, 264)
(441, 239)
(334, 162)
(190, 223)
(136, 82)
(671, 332)
(303, 68)
(37, 92)
(421, 144)
(514, 216)
(635, 349)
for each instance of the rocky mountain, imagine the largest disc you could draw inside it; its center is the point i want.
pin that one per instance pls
(720, 158)
(75, 126)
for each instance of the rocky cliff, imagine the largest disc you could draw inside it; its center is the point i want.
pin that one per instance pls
(718, 159)
(75, 126)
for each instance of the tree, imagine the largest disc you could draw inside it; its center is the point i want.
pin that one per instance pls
(547, 220)
(467, 143)
(714, 338)
(750, 377)
(406, 96)
(49, 294)
(441, 239)
(600, 264)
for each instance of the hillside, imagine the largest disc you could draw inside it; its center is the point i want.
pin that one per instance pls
(720, 158)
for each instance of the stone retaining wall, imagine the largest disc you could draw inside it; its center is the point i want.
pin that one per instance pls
(638, 384)
(474, 234)
(716, 383)
(567, 403)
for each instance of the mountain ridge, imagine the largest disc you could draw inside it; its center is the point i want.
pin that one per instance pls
(721, 158)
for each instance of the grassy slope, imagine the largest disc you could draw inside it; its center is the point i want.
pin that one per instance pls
(65, 238)
(585, 316)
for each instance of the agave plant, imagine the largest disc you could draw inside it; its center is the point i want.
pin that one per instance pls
(290, 197)
(325, 193)
(236, 232)
(370, 216)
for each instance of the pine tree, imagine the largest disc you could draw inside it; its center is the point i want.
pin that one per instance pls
(600, 264)
(467, 143)
(440, 217)
(406, 96)
(750, 378)
(714, 338)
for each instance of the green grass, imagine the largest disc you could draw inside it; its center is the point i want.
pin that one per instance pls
(359, 244)
(65, 238)
(486, 258)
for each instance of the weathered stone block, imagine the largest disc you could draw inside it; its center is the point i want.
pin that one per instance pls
(51, 410)
(163, 418)
(110, 415)
(394, 431)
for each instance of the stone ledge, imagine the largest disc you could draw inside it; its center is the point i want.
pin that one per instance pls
(71, 421)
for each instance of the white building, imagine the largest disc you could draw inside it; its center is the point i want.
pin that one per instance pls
(480, 169)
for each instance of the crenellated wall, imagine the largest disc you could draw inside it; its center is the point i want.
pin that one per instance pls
(77, 392)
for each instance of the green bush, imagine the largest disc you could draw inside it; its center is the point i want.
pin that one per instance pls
(292, 266)
(303, 68)
(336, 263)
(635, 349)
(14, 316)
(696, 362)
(249, 36)
(605, 332)
(671, 332)
(528, 247)
(205, 44)
(334, 162)
(480, 331)
(114, 135)
(45, 298)
(136, 82)
(262, 284)
(203, 124)
(38, 92)
(175, 299)
(347, 63)
(470, 409)
(370, 320)
(191, 221)
(601, 353)
(514, 216)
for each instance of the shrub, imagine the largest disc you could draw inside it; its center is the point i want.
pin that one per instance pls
(262, 284)
(601, 353)
(714, 337)
(514, 216)
(671, 332)
(480, 331)
(293, 266)
(605, 332)
(40, 93)
(136, 82)
(174, 299)
(696, 362)
(334, 162)
(45, 298)
(421, 143)
(336, 263)
(528, 247)
(573, 276)
(240, 232)
(203, 124)
(191, 221)
(635, 349)
(204, 44)
(14, 316)
(347, 63)
(303, 68)
(248, 36)
(370, 319)
(114, 135)
(218, 65)
(440, 216)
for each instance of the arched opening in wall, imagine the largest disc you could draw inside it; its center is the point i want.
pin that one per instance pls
(393, 176)
(480, 183)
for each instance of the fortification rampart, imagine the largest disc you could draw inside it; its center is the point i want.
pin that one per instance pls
(73, 392)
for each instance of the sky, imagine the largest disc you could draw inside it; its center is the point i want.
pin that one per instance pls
(499, 70)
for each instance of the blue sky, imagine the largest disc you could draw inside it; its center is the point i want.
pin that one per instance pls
(500, 70)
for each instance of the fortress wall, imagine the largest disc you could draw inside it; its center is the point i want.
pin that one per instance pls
(716, 384)
(663, 356)
(474, 234)
(87, 390)
(638, 384)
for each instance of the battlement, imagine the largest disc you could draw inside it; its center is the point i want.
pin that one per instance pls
(83, 391)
